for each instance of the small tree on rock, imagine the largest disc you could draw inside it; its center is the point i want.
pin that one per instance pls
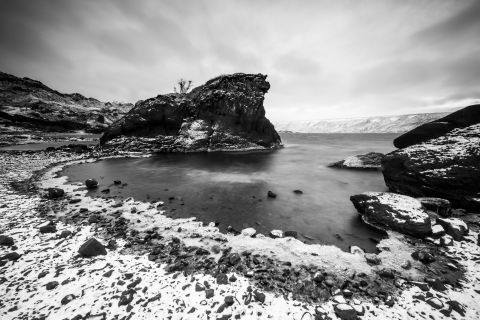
(183, 86)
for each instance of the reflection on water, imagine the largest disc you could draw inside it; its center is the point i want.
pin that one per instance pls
(231, 188)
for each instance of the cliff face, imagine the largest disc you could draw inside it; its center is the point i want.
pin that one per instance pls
(434, 129)
(226, 113)
(31, 104)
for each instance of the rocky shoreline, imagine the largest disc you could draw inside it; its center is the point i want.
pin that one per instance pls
(180, 268)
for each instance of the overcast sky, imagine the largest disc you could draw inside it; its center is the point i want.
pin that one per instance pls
(324, 59)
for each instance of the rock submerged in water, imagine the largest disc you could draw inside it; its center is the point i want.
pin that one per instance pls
(91, 183)
(460, 119)
(394, 211)
(369, 161)
(224, 114)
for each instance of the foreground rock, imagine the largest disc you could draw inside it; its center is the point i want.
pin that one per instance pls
(369, 161)
(447, 167)
(226, 113)
(92, 248)
(460, 119)
(394, 211)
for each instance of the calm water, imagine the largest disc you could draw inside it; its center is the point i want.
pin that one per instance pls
(231, 189)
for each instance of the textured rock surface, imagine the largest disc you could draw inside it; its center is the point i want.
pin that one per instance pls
(226, 113)
(394, 211)
(31, 104)
(460, 119)
(368, 161)
(447, 167)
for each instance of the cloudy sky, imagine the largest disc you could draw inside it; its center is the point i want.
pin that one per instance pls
(324, 59)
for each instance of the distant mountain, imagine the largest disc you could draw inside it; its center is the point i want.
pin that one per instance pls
(31, 104)
(381, 124)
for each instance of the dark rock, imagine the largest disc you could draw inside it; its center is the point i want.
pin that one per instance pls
(460, 119)
(126, 297)
(271, 194)
(441, 207)
(454, 227)
(435, 302)
(117, 182)
(398, 212)
(226, 113)
(232, 278)
(92, 248)
(68, 298)
(423, 256)
(446, 167)
(55, 193)
(6, 240)
(457, 307)
(386, 273)
(296, 191)
(51, 285)
(65, 234)
(234, 258)
(422, 285)
(369, 161)
(12, 256)
(49, 228)
(293, 234)
(229, 300)
(91, 183)
(259, 296)
(373, 259)
(209, 293)
(222, 278)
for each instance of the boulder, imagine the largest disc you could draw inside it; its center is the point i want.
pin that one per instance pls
(441, 207)
(446, 167)
(55, 193)
(48, 228)
(224, 114)
(91, 183)
(6, 240)
(345, 311)
(454, 227)
(394, 211)
(460, 119)
(92, 247)
(369, 161)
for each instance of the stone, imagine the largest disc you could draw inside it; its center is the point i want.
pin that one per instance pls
(460, 119)
(435, 302)
(440, 206)
(259, 296)
(457, 307)
(91, 248)
(6, 240)
(357, 250)
(292, 234)
(454, 227)
(248, 232)
(276, 234)
(224, 114)
(423, 256)
(271, 194)
(117, 182)
(12, 256)
(369, 161)
(373, 259)
(446, 167)
(345, 311)
(55, 193)
(446, 241)
(386, 273)
(437, 231)
(297, 191)
(48, 228)
(234, 258)
(209, 293)
(51, 285)
(67, 299)
(422, 285)
(222, 278)
(229, 301)
(397, 212)
(91, 183)
(339, 299)
(65, 234)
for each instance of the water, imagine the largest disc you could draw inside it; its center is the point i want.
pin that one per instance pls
(231, 188)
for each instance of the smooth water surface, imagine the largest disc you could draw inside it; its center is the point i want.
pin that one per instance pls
(231, 188)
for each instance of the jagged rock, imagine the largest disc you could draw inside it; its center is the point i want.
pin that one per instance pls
(398, 212)
(446, 241)
(276, 234)
(234, 258)
(423, 256)
(345, 311)
(357, 250)
(6, 240)
(460, 119)
(259, 296)
(209, 293)
(226, 113)
(457, 306)
(447, 167)
(373, 259)
(92, 248)
(454, 227)
(437, 231)
(55, 193)
(369, 161)
(49, 228)
(65, 234)
(91, 183)
(441, 207)
(229, 300)
(222, 278)
(271, 194)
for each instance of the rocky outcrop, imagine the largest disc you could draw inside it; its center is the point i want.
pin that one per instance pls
(446, 167)
(460, 119)
(226, 113)
(368, 161)
(30, 104)
(393, 211)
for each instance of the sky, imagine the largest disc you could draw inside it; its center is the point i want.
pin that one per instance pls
(324, 59)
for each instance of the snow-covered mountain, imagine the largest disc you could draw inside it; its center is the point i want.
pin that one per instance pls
(380, 124)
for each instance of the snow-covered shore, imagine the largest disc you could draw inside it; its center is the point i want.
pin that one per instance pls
(102, 286)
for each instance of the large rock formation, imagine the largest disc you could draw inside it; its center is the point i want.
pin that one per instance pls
(393, 211)
(460, 119)
(447, 167)
(226, 113)
(30, 104)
